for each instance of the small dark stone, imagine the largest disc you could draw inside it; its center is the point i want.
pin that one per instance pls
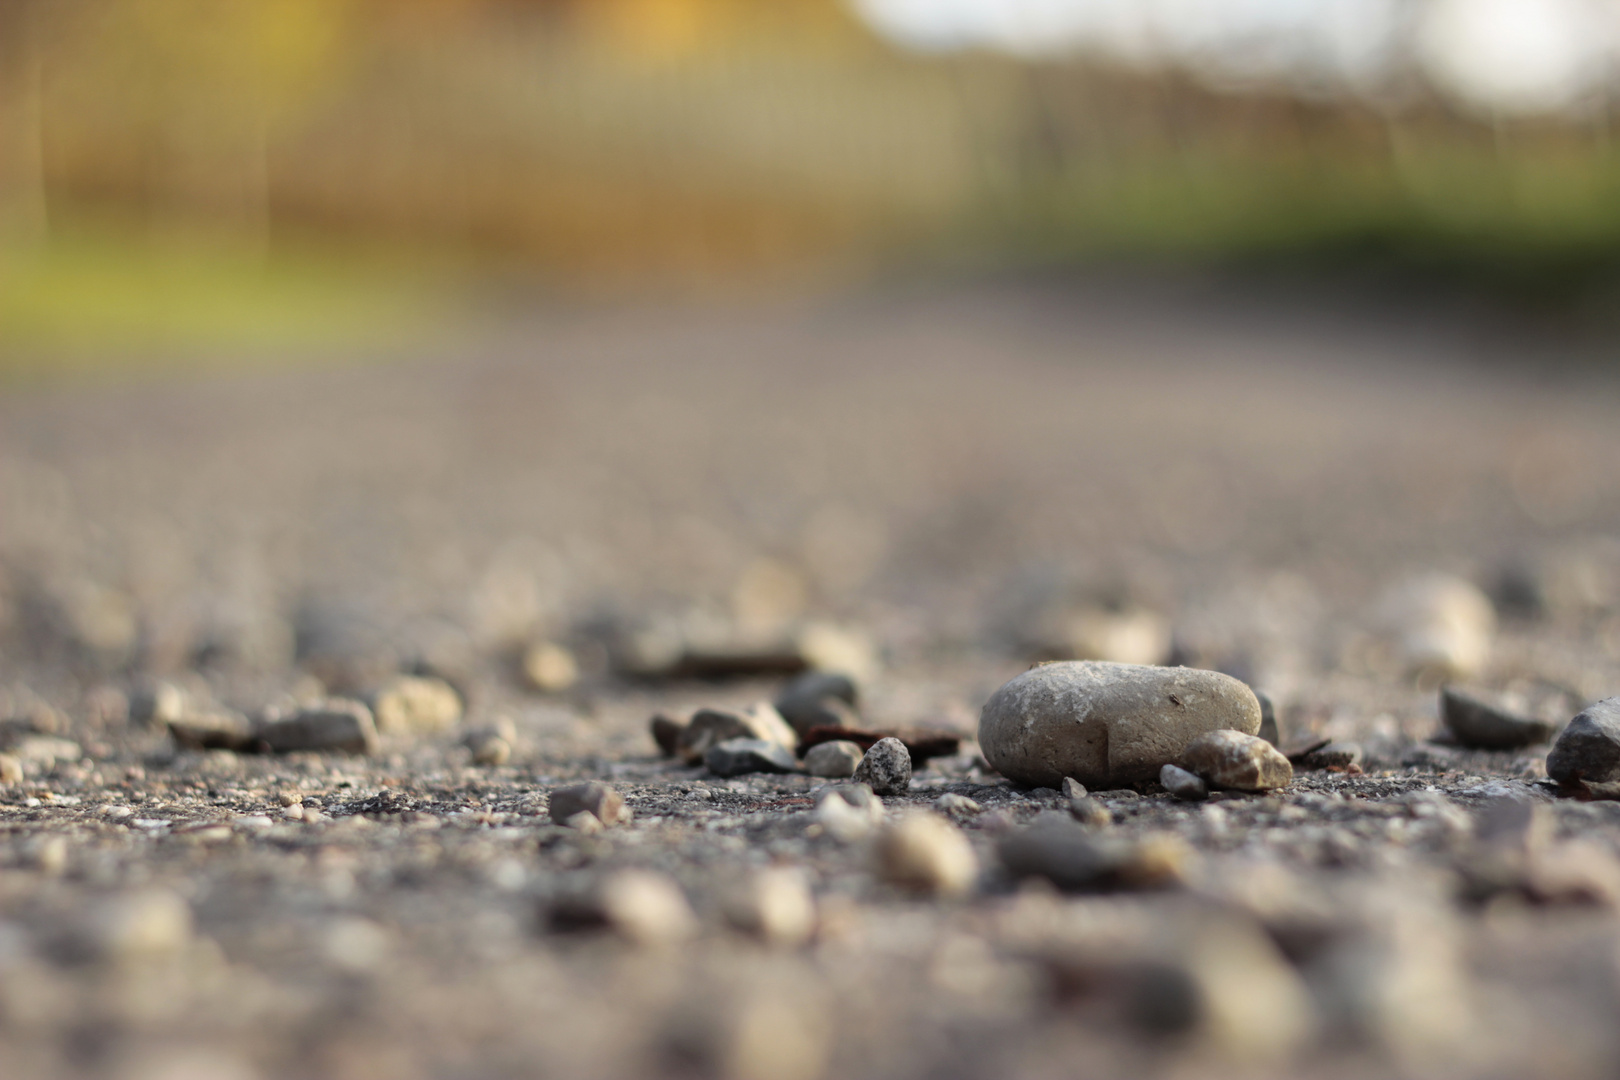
(818, 699)
(1268, 719)
(886, 768)
(666, 733)
(1335, 755)
(737, 757)
(1486, 725)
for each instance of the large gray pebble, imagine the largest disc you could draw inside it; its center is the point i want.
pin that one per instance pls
(1588, 751)
(336, 725)
(1105, 724)
(886, 768)
(1479, 722)
(737, 757)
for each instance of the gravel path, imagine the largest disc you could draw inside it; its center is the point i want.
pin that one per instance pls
(929, 491)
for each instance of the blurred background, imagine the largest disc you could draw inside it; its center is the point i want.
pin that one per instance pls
(185, 173)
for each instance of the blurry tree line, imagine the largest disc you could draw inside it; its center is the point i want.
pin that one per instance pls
(602, 138)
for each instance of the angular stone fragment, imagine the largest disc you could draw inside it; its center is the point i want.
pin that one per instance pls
(338, 725)
(1588, 750)
(925, 852)
(835, 760)
(712, 726)
(1186, 786)
(738, 757)
(590, 797)
(1104, 724)
(1333, 755)
(1479, 722)
(886, 768)
(1231, 759)
(417, 705)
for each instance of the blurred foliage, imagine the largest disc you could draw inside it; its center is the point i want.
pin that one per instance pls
(605, 144)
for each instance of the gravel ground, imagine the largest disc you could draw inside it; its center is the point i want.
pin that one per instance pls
(929, 492)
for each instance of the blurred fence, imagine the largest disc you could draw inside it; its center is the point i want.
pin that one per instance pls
(608, 139)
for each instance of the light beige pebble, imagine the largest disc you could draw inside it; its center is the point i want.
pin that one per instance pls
(550, 668)
(774, 904)
(417, 705)
(925, 852)
(11, 770)
(1106, 725)
(849, 814)
(647, 907)
(140, 925)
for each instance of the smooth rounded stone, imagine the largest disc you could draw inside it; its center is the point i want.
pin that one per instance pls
(1335, 755)
(1073, 789)
(923, 851)
(1186, 786)
(157, 704)
(490, 750)
(1238, 762)
(710, 727)
(956, 805)
(584, 822)
(886, 768)
(848, 812)
(738, 757)
(11, 770)
(818, 699)
(141, 925)
(1440, 626)
(774, 905)
(836, 760)
(1132, 636)
(591, 797)
(549, 668)
(643, 906)
(339, 724)
(1477, 721)
(417, 705)
(1106, 725)
(1588, 750)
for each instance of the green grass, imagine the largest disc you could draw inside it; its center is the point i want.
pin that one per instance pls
(96, 301)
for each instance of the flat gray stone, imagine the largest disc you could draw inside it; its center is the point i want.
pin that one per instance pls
(338, 725)
(818, 699)
(886, 768)
(738, 757)
(1236, 761)
(1479, 722)
(1106, 725)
